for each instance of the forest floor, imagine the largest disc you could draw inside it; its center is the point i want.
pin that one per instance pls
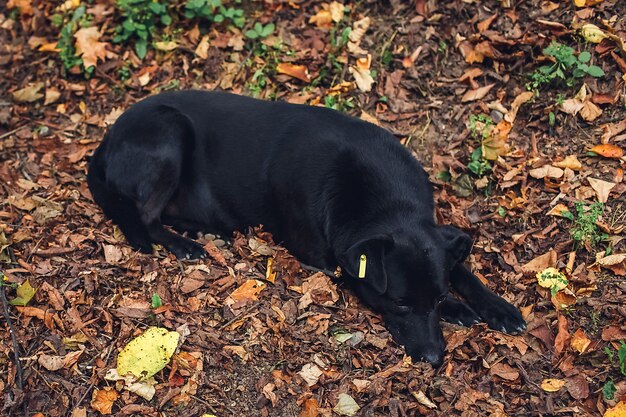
(532, 166)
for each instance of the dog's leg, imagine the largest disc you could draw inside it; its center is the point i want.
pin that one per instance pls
(494, 310)
(457, 312)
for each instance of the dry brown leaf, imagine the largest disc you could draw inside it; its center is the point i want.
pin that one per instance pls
(612, 129)
(562, 336)
(558, 210)
(311, 373)
(541, 262)
(496, 144)
(546, 171)
(28, 94)
(570, 162)
(363, 78)
(613, 333)
(202, 50)
(336, 11)
(504, 371)
(615, 262)
(296, 71)
(522, 98)
(477, 94)
(89, 47)
(310, 408)
(580, 342)
(54, 363)
(602, 188)
(319, 289)
(102, 399)
(239, 351)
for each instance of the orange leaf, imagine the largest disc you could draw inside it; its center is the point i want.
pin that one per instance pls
(563, 334)
(102, 400)
(608, 150)
(580, 342)
(249, 290)
(296, 71)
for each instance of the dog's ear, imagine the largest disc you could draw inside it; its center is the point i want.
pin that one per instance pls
(459, 244)
(366, 259)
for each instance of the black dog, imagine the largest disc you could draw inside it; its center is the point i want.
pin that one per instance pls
(335, 190)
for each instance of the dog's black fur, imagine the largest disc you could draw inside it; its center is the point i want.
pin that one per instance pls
(328, 186)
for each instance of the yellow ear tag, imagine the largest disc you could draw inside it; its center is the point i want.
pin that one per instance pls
(362, 266)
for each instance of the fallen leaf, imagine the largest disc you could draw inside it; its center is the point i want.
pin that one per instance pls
(362, 77)
(613, 333)
(495, 144)
(559, 210)
(612, 129)
(522, 98)
(310, 373)
(424, 400)
(541, 262)
(608, 150)
(618, 411)
(28, 94)
(25, 292)
(570, 162)
(202, 50)
(148, 353)
(102, 399)
(336, 11)
(54, 362)
(546, 171)
(248, 291)
(239, 351)
(580, 342)
(296, 71)
(578, 387)
(552, 384)
(165, 46)
(562, 336)
(477, 94)
(52, 95)
(592, 33)
(89, 47)
(504, 371)
(346, 406)
(310, 408)
(318, 288)
(602, 188)
(552, 279)
(323, 19)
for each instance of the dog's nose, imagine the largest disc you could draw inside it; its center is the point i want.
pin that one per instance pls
(434, 358)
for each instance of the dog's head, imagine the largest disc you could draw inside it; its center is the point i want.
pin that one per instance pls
(406, 279)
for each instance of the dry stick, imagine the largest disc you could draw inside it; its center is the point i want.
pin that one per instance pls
(16, 352)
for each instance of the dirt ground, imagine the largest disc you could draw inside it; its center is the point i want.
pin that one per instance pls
(300, 341)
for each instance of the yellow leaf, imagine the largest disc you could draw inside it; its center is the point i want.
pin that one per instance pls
(166, 45)
(323, 19)
(552, 278)
(25, 292)
(608, 150)
(363, 78)
(552, 384)
(592, 33)
(88, 46)
(618, 411)
(148, 353)
(270, 275)
(558, 210)
(336, 11)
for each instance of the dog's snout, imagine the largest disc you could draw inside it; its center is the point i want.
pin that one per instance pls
(435, 358)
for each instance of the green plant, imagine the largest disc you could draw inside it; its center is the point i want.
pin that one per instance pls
(124, 73)
(621, 356)
(478, 165)
(480, 125)
(585, 231)
(140, 19)
(156, 302)
(65, 44)
(608, 390)
(566, 67)
(259, 31)
(214, 11)
(338, 102)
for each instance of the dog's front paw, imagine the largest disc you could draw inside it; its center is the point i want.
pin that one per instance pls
(187, 249)
(457, 312)
(501, 315)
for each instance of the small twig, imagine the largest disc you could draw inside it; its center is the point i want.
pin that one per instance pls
(19, 378)
(10, 132)
(241, 316)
